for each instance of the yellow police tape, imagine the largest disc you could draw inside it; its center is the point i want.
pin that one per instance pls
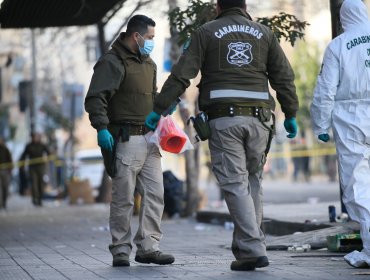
(22, 163)
(303, 153)
(283, 154)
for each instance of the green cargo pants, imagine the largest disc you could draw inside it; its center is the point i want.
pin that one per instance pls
(37, 172)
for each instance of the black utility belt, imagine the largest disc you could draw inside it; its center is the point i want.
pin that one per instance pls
(124, 131)
(137, 129)
(263, 114)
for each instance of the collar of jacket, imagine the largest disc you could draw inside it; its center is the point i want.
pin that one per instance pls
(233, 12)
(124, 51)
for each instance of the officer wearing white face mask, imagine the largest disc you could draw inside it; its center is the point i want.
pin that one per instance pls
(342, 102)
(120, 96)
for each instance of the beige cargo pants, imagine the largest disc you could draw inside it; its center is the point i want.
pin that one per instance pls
(138, 166)
(237, 147)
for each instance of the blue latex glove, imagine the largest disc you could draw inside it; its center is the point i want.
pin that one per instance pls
(324, 137)
(291, 127)
(105, 139)
(152, 120)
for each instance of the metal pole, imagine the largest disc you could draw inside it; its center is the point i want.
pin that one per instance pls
(337, 29)
(34, 83)
(101, 38)
(72, 130)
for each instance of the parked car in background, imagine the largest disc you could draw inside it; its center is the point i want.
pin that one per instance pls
(89, 165)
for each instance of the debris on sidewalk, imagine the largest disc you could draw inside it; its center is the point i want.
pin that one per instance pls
(101, 228)
(317, 239)
(200, 227)
(342, 218)
(299, 248)
(361, 273)
(344, 242)
(229, 225)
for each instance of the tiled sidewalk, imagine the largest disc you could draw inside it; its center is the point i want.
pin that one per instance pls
(59, 241)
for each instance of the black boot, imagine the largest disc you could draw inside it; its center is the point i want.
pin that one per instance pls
(249, 264)
(121, 260)
(156, 257)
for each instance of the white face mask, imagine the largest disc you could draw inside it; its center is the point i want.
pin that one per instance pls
(148, 46)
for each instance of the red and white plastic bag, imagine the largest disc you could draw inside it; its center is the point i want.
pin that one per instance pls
(170, 137)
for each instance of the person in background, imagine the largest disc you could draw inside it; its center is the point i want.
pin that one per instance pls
(6, 166)
(301, 161)
(35, 151)
(342, 102)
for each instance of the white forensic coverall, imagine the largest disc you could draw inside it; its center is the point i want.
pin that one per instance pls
(342, 101)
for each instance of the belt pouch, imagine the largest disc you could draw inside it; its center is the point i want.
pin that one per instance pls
(201, 126)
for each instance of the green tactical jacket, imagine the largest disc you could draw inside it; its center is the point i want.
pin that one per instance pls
(237, 58)
(122, 87)
(5, 158)
(35, 150)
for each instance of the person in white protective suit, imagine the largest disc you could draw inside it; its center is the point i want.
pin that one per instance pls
(342, 101)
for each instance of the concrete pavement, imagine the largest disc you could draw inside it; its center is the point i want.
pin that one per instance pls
(59, 241)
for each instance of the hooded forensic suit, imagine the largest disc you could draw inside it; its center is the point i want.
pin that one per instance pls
(342, 101)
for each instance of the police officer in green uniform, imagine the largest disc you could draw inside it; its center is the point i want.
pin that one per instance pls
(6, 166)
(120, 95)
(237, 57)
(35, 152)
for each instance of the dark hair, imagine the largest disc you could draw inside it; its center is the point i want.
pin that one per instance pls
(139, 23)
(227, 4)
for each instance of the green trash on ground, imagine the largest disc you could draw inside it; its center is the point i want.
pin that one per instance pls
(346, 242)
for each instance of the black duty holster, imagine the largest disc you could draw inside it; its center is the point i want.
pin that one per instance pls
(272, 132)
(120, 134)
(201, 126)
(264, 116)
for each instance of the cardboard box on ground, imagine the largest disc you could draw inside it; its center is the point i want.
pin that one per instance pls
(80, 192)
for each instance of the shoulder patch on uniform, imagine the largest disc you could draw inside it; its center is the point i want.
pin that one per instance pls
(187, 44)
